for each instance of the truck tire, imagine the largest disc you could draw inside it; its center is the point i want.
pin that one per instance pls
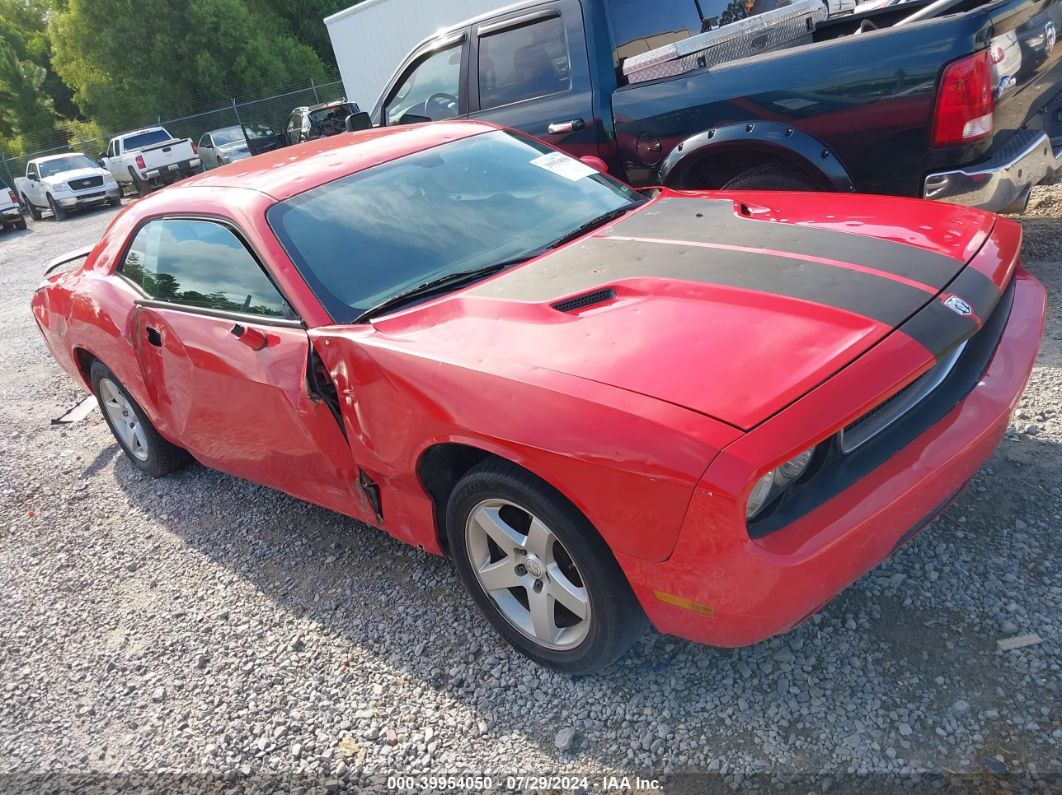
(35, 214)
(771, 176)
(142, 188)
(58, 213)
(20, 223)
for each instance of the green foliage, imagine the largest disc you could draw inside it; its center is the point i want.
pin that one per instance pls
(29, 90)
(129, 60)
(305, 19)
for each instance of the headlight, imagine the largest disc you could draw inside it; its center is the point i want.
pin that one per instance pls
(774, 482)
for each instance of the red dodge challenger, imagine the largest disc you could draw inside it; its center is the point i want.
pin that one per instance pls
(712, 411)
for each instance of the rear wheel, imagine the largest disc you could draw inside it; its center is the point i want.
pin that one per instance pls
(539, 571)
(35, 214)
(140, 186)
(58, 213)
(135, 434)
(20, 223)
(772, 176)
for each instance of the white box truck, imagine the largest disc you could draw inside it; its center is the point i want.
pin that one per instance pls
(371, 38)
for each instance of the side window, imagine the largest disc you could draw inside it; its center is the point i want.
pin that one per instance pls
(205, 141)
(201, 264)
(34, 170)
(431, 90)
(295, 122)
(523, 63)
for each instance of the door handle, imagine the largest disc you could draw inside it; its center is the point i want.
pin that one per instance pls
(154, 336)
(572, 125)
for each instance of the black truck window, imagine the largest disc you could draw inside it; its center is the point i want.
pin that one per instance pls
(639, 26)
(523, 62)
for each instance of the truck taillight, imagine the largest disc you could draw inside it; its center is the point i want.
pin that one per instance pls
(140, 162)
(195, 148)
(14, 198)
(966, 101)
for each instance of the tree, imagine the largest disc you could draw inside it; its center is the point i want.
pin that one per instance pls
(30, 91)
(305, 19)
(173, 57)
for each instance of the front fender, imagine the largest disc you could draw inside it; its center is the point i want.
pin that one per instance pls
(770, 138)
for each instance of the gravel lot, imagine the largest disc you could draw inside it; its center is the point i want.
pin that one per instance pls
(204, 627)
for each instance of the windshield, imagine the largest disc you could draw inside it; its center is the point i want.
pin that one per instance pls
(67, 163)
(145, 139)
(229, 135)
(458, 207)
(257, 130)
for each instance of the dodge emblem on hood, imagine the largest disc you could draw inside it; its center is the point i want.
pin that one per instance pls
(958, 306)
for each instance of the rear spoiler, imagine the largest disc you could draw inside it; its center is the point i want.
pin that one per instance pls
(68, 257)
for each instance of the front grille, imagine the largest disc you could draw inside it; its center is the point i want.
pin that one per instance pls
(87, 182)
(884, 414)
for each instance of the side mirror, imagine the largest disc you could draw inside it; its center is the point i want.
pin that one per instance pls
(33, 178)
(101, 157)
(595, 163)
(358, 121)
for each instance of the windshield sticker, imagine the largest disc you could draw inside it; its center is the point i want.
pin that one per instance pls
(562, 165)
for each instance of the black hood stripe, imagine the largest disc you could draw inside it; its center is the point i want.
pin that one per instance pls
(716, 221)
(600, 261)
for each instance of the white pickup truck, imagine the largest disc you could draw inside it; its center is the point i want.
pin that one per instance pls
(10, 210)
(61, 183)
(150, 157)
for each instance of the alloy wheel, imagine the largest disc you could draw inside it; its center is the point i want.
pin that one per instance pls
(531, 578)
(123, 419)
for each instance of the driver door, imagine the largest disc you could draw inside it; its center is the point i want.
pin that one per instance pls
(224, 361)
(431, 85)
(206, 151)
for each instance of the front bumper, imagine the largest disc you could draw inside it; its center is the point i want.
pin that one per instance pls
(723, 588)
(90, 197)
(1003, 181)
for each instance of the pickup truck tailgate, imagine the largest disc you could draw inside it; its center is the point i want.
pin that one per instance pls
(168, 152)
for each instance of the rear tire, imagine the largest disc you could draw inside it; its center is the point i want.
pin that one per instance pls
(539, 571)
(35, 214)
(133, 431)
(20, 223)
(117, 200)
(139, 186)
(772, 176)
(58, 213)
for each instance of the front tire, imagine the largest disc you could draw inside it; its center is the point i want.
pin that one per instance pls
(58, 213)
(539, 571)
(133, 431)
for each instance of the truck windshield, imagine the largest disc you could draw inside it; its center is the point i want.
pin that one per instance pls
(140, 140)
(66, 163)
(463, 206)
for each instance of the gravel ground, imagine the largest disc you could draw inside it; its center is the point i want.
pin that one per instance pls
(204, 627)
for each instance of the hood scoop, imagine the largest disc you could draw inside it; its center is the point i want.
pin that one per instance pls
(585, 300)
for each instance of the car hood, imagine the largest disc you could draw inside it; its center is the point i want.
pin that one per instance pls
(731, 307)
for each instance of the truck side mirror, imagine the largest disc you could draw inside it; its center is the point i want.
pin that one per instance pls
(32, 177)
(358, 121)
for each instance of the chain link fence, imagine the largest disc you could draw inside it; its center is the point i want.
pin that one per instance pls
(271, 110)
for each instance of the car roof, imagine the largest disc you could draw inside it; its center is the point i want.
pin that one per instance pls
(288, 171)
(222, 129)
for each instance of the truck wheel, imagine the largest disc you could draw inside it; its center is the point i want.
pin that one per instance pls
(35, 214)
(141, 187)
(117, 200)
(20, 223)
(539, 571)
(57, 212)
(771, 176)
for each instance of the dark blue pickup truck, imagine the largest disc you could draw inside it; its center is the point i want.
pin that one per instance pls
(956, 100)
